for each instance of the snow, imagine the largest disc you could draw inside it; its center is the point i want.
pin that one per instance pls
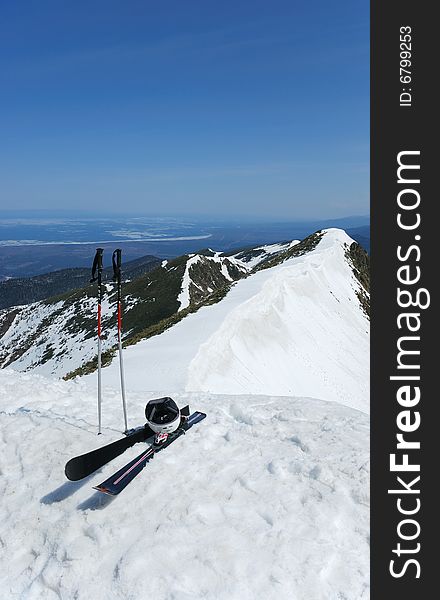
(296, 329)
(69, 350)
(225, 272)
(266, 251)
(184, 296)
(266, 498)
(51, 348)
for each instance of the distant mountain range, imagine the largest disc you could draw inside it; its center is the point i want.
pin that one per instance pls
(26, 290)
(58, 335)
(29, 257)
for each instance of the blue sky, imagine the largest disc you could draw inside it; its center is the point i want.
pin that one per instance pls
(199, 107)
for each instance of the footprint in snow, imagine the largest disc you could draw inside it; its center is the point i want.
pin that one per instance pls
(240, 416)
(267, 518)
(315, 472)
(296, 440)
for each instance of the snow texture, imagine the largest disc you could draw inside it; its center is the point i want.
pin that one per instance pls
(266, 498)
(296, 329)
(55, 341)
(263, 252)
(184, 296)
(69, 349)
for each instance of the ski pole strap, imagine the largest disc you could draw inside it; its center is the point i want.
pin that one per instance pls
(97, 265)
(117, 260)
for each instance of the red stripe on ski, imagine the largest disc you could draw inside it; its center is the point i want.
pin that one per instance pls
(136, 464)
(119, 481)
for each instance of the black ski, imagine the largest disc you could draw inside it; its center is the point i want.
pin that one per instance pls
(86, 464)
(81, 466)
(117, 482)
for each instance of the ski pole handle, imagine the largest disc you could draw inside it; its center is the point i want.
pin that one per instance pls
(117, 261)
(97, 265)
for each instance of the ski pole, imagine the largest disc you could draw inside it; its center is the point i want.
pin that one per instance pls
(117, 260)
(97, 268)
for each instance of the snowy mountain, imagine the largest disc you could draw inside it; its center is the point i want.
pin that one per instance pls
(296, 327)
(267, 498)
(285, 319)
(58, 336)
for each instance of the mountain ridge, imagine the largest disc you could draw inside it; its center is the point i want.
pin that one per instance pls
(49, 331)
(58, 336)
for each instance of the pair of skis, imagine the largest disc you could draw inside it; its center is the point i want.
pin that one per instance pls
(81, 466)
(86, 464)
(97, 276)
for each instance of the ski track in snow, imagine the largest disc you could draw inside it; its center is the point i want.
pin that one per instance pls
(266, 498)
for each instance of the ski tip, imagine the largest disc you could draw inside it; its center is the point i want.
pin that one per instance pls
(104, 490)
(70, 473)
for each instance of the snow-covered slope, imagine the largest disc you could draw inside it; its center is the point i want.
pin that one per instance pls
(53, 338)
(296, 328)
(58, 336)
(267, 498)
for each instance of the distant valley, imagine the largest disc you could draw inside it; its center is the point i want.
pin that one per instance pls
(37, 245)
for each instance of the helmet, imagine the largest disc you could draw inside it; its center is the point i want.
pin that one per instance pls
(163, 415)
